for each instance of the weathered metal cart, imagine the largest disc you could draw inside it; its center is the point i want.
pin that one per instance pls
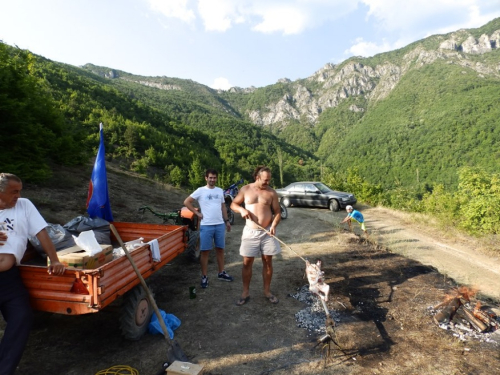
(84, 291)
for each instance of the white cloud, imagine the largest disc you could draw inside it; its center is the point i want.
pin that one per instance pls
(412, 16)
(219, 15)
(366, 49)
(475, 19)
(407, 21)
(173, 8)
(266, 16)
(287, 18)
(295, 16)
(221, 83)
(400, 15)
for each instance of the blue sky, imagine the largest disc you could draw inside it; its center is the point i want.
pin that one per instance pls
(225, 43)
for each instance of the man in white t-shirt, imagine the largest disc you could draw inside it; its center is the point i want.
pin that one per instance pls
(19, 219)
(213, 225)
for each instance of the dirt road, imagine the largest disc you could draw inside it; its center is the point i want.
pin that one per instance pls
(455, 256)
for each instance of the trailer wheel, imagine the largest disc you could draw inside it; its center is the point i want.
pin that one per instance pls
(136, 313)
(193, 248)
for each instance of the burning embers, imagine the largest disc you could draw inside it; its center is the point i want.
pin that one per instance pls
(456, 313)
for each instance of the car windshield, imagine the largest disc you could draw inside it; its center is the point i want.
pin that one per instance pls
(323, 188)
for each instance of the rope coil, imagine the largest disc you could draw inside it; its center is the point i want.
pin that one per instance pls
(119, 370)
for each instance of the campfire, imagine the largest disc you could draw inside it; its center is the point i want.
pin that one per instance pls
(467, 319)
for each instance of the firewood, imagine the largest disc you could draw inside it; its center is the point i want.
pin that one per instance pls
(483, 316)
(447, 313)
(441, 304)
(476, 323)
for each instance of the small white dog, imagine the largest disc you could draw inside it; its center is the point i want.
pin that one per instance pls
(316, 280)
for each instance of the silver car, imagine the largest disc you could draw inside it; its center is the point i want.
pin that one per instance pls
(314, 194)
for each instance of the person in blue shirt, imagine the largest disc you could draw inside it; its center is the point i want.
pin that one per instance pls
(353, 215)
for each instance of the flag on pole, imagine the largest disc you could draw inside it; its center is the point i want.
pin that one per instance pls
(98, 198)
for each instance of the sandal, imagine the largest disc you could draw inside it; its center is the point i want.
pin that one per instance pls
(242, 301)
(273, 299)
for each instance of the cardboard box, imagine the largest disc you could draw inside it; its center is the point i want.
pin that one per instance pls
(183, 368)
(76, 257)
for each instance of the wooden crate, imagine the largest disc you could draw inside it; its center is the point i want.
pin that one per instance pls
(78, 258)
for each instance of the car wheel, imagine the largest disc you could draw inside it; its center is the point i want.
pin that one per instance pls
(284, 211)
(333, 205)
(286, 202)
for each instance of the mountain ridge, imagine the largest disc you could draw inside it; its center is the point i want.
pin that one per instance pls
(409, 117)
(306, 112)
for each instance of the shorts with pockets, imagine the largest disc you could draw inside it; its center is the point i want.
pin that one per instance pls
(212, 234)
(256, 242)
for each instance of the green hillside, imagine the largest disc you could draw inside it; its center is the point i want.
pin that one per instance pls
(148, 130)
(439, 118)
(422, 112)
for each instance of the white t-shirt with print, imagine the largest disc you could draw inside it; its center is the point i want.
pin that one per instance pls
(20, 222)
(210, 201)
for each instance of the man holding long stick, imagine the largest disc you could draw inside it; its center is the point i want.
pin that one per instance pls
(260, 201)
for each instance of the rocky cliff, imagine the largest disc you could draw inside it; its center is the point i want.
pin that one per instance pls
(373, 78)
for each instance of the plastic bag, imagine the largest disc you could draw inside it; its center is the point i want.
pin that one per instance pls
(87, 241)
(171, 322)
(99, 226)
(60, 237)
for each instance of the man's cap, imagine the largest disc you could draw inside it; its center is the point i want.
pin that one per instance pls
(348, 208)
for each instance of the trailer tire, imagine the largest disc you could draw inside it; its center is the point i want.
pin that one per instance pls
(193, 248)
(136, 313)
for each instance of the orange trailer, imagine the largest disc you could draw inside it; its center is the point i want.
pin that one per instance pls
(82, 291)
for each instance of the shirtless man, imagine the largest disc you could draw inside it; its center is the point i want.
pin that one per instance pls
(260, 202)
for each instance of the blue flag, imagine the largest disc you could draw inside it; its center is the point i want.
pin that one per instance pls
(98, 198)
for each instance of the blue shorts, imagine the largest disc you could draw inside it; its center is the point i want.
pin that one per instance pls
(212, 234)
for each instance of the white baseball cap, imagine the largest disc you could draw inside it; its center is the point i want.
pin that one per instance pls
(348, 208)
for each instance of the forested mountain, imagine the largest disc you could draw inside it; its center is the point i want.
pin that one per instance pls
(405, 117)
(50, 112)
(414, 115)
(397, 128)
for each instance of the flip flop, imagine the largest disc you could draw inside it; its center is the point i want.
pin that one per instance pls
(273, 299)
(242, 301)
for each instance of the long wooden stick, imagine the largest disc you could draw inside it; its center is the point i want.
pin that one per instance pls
(269, 233)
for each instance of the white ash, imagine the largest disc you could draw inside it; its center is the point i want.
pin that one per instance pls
(313, 317)
(463, 330)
